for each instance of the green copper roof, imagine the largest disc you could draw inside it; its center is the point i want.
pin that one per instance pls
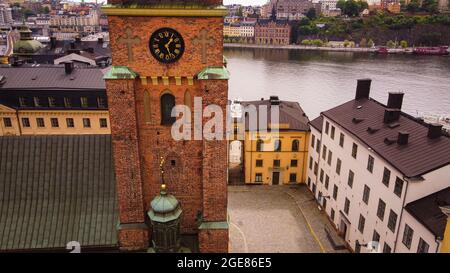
(214, 73)
(120, 73)
(27, 46)
(164, 207)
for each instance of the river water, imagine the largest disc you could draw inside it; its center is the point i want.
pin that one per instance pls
(322, 80)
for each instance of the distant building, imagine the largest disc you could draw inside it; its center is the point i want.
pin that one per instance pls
(272, 31)
(5, 14)
(443, 5)
(232, 30)
(52, 100)
(247, 29)
(381, 175)
(275, 157)
(289, 9)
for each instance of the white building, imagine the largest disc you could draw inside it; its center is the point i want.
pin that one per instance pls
(370, 164)
(5, 14)
(247, 29)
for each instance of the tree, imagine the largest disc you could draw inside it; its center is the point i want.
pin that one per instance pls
(311, 14)
(239, 12)
(430, 5)
(352, 8)
(390, 44)
(370, 43)
(413, 6)
(403, 44)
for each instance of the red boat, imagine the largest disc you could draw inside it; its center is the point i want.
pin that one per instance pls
(435, 50)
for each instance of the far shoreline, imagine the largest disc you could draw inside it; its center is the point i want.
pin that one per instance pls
(303, 47)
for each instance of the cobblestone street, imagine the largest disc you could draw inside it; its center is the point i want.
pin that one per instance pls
(276, 219)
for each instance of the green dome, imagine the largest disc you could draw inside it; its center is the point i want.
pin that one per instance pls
(164, 207)
(27, 46)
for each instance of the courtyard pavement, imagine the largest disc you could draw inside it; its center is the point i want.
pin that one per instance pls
(273, 219)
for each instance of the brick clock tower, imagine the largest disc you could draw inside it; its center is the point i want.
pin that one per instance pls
(164, 54)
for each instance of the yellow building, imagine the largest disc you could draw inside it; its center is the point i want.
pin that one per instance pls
(277, 155)
(53, 122)
(52, 100)
(445, 248)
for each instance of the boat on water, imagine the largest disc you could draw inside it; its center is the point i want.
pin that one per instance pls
(433, 50)
(387, 50)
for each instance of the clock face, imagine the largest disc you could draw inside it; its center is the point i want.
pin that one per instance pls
(166, 45)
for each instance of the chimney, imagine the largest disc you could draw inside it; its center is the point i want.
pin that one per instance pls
(100, 40)
(395, 100)
(403, 137)
(391, 115)
(274, 100)
(53, 42)
(363, 89)
(68, 67)
(434, 130)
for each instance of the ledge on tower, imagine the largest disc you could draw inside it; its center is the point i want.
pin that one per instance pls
(214, 73)
(196, 8)
(120, 73)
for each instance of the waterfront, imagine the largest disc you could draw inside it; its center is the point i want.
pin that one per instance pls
(321, 80)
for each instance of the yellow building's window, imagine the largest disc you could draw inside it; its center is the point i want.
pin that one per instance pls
(295, 145)
(86, 122)
(259, 163)
(276, 163)
(54, 122)
(26, 122)
(67, 103)
(294, 163)
(70, 123)
(277, 145)
(7, 122)
(259, 145)
(103, 123)
(51, 102)
(84, 102)
(40, 122)
(292, 177)
(258, 177)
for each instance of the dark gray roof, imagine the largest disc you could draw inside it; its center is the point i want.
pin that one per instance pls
(426, 210)
(50, 77)
(317, 123)
(421, 155)
(290, 113)
(57, 189)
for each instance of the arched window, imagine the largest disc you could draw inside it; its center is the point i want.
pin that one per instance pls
(167, 103)
(295, 145)
(259, 145)
(277, 145)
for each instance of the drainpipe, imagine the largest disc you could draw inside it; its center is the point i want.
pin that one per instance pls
(401, 215)
(438, 244)
(18, 122)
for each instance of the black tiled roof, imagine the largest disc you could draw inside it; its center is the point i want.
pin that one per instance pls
(426, 210)
(290, 113)
(421, 155)
(57, 189)
(51, 77)
(317, 123)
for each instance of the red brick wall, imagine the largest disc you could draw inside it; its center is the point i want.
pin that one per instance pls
(199, 178)
(213, 241)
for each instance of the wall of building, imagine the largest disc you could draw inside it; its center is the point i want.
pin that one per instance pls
(19, 128)
(419, 232)
(268, 156)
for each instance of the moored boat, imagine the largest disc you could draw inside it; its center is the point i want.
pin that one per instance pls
(434, 50)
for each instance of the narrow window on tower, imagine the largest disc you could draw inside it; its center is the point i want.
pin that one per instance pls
(167, 103)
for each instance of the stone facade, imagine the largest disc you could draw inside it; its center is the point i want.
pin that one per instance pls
(195, 170)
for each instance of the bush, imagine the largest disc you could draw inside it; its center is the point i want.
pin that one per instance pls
(306, 42)
(370, 43)
(403, 44)
(390, 44)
